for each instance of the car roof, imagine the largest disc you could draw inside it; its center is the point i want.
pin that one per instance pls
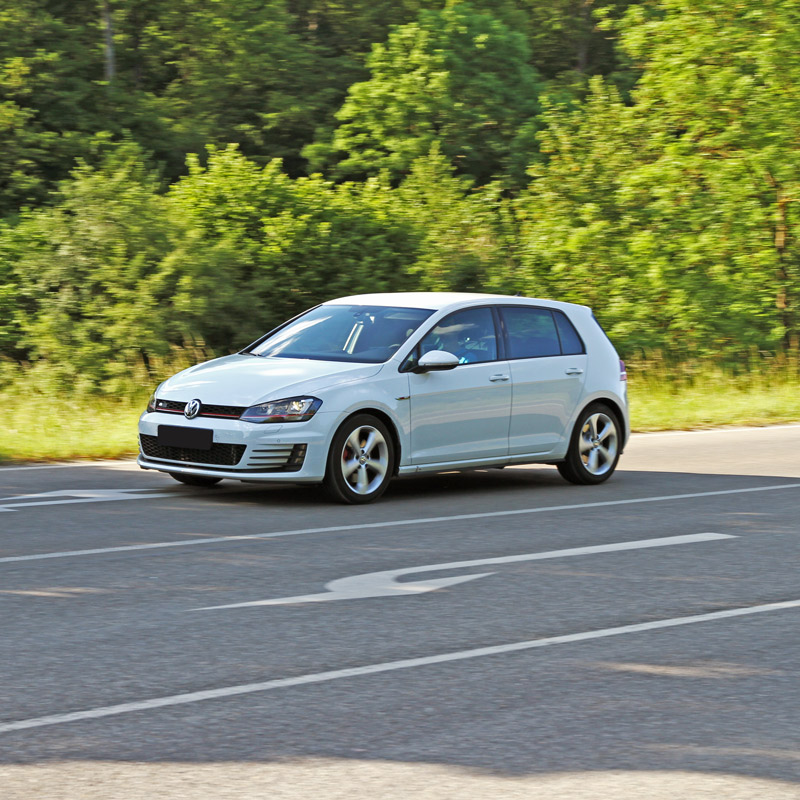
(436, 301)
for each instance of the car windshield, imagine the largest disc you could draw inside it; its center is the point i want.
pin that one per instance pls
(361, 334)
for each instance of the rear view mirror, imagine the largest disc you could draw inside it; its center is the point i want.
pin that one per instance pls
(436, 361)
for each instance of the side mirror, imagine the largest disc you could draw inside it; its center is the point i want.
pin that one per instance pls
(436, 361)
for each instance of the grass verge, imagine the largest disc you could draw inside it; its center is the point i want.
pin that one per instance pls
(39, 426)
(59, 427)
(659, 401)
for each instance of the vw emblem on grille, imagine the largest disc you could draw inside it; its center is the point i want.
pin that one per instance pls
(192, 409)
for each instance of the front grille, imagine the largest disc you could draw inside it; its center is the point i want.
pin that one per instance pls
(220, 454)
(169, 406)
(221, 411)
(206, 410)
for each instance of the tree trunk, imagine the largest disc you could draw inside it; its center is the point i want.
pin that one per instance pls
(585, 27)
(784, 300)
(109, 42)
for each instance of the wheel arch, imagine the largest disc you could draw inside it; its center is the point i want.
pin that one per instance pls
(615, 406)
(391, 426)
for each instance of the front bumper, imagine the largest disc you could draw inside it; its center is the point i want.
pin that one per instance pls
(294, 452)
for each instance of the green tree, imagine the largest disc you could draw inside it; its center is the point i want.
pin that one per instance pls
(578, 216)
(461, 242)
(564, 35)
(90, 267)
(721, 96)
(676, 217)
(10, 298)
(457, 76)
(261, 247)
(48, 95)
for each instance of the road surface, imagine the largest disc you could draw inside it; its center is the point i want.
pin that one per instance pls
(496, 634)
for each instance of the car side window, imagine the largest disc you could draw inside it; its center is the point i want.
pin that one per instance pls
(468, 334)
(531, 332)
(571, 344)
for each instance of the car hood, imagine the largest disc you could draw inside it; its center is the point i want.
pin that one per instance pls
(245, 380)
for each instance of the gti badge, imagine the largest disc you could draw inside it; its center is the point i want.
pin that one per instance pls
(192, 409)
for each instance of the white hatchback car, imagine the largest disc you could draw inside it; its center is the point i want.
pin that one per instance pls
(359, 389)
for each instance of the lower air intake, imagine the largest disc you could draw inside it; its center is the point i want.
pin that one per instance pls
(220, 454)
(277, 457)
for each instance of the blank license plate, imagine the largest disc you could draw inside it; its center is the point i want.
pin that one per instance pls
(192, 438)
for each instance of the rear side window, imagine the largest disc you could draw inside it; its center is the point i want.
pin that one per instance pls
(571, 344)
(531, 332)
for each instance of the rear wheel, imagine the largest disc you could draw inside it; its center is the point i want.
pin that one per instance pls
(194, 480)
(594, 448)
(360, 461)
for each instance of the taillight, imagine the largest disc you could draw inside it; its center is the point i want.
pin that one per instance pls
(623, 373)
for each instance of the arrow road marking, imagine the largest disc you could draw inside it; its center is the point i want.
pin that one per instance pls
(57, 498)
(384, 583)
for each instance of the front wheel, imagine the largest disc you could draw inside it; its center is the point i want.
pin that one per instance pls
(594, 448)
(360, 461)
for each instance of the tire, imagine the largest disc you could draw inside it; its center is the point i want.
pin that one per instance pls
(594, 447)
(360, 461)
(194, 480)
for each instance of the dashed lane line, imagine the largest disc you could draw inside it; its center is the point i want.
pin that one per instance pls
(389, 524)
(389, 666)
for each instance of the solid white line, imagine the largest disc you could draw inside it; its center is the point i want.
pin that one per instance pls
(115, 464)
(390, 524)
(389, 666)
(748, 429)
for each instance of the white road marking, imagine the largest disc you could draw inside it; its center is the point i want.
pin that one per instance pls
(389, 666)
(749, 429)
(116, 464)
(79, 496)
(390, 524)
(384, 583)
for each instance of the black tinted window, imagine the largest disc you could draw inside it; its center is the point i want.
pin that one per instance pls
(571, 344)
(531, 332)
(468, 334)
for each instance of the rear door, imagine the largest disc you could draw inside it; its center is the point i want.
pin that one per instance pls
(461, 414)
(547, 360)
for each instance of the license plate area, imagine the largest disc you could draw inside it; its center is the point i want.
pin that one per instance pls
(190, 438)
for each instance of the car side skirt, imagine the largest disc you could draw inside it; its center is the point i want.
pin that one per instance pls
(478, 463)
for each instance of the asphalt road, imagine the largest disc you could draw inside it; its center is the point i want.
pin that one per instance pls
(523, 637)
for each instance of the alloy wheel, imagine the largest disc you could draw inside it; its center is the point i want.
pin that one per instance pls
(365, 460)
(598, 444)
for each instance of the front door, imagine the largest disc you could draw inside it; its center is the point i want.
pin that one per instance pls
(461, 414)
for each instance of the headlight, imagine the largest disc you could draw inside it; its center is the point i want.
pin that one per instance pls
(293, 409)
(151, 403)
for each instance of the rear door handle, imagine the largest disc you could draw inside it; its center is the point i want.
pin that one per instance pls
(573, 371)
(495, 378)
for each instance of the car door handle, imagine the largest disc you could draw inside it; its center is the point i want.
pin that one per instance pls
(573, 371)
(495, 378)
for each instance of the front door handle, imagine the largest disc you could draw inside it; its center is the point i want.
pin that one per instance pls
(573, 371)
(496, 378)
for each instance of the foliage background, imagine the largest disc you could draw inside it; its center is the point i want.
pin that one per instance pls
(177, 177)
